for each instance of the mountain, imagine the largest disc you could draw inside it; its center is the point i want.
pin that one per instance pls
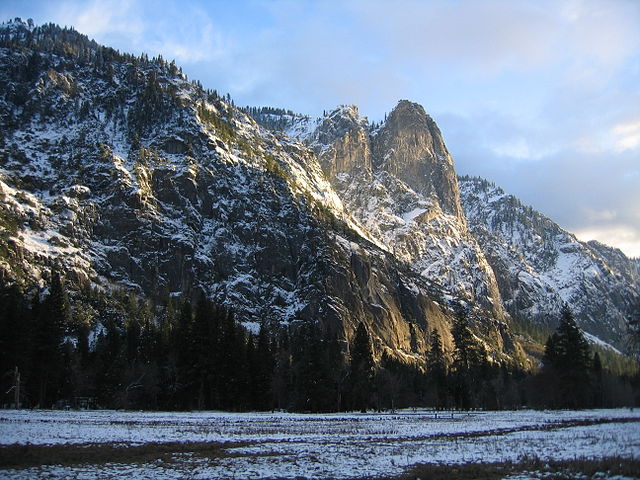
(124, 174)
(539, 266)
(399, 181)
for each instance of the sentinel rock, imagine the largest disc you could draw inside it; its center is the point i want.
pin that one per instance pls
(410, 146)
(399, 182)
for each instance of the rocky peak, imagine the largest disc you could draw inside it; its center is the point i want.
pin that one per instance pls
(410, 116)
(342, 143)
(339, 122)
(398, 181)
(410, 146)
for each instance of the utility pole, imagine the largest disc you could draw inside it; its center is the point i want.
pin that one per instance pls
(17, 387)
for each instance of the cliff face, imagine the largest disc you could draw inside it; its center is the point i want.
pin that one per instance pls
(126, 175)
(345, 144)
(410, 147)
(399, 182)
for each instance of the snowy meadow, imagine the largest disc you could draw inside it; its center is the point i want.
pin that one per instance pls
(204, 445)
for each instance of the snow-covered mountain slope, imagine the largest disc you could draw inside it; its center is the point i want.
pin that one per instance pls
(292, 124)
(398, 180)
(123, 173)
(539, 266)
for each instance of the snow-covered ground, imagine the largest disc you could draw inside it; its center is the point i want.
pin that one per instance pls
(283, 445)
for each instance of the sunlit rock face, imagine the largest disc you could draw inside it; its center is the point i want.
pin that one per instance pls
(398, 180)
(410, 147)
(343, 144)
(124, 174)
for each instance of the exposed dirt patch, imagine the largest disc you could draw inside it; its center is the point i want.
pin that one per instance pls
(24, 456)
(529, 468)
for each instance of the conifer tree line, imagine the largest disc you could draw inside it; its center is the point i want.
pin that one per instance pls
(122, 351)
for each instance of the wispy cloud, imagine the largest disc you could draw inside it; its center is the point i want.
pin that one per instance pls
(184, 32)
(623, 237)
(627, 136)
(101, 18)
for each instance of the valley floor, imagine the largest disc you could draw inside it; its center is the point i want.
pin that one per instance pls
(206, 445)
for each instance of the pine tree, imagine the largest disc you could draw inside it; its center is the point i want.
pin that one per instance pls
(318, 370)
(261, 371)
(184, 356)
(203, 341)
(48, 362)
(306, 353)
(437, 370)
(361, 372)
(15, 323)
(58, 303)
(231, 366)
(282, 373)
(567, 356)
(336, 371)
(597, 381)
(469, 359)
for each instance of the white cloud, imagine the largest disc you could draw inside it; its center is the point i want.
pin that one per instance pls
(489, 37)
(622, 237)
(600, 215)
(99, 18)
(628, 136)
(517, 148)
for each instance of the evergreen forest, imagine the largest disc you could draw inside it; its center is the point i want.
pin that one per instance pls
(116, 350)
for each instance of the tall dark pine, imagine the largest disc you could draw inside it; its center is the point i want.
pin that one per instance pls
(437, 371)
(361, 373)
(336, 369)
(203, 348)
(469, 359)
(48, 359)
(231, 366)
(309, 374)
(15, 323)
(183, 384)
(597, 381)
(58, 303)
(567, 356)
(261, 372)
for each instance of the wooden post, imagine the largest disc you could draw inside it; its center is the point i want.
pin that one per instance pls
(17, 388)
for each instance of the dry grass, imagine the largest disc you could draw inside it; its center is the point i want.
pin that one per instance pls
(530, 468)
(25, 456)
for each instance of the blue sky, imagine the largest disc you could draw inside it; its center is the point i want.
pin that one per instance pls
(541, 96)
